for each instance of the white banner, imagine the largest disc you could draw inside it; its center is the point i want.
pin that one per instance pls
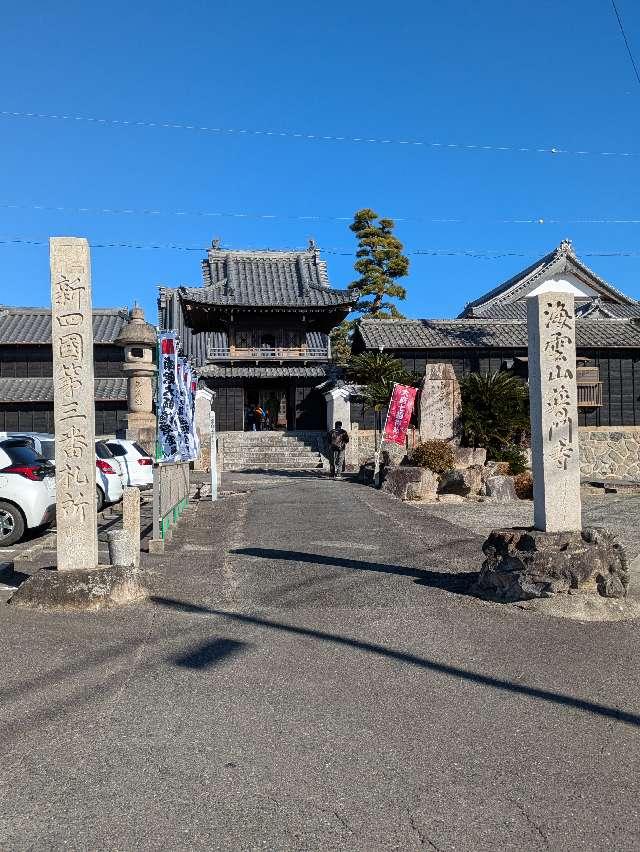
(168, 424)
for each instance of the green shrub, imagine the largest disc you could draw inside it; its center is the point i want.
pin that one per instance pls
(437, 455)
(523, 484)
(495, 411)
(514, 456)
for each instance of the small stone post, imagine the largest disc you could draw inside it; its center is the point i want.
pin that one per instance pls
(553, 403)
(204, 398)
(73, 398)
(131, 522)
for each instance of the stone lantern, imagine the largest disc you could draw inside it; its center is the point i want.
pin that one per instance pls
(139, 341)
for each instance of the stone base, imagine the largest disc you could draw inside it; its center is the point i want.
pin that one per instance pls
(523, 564)
(89, 590)
(411, 483)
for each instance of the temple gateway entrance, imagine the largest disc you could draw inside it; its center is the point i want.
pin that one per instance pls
(274, 400)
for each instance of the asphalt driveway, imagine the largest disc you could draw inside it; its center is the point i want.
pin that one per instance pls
(310, 673)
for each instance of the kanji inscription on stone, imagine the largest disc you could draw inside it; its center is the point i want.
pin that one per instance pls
(73, 398)
(553, 403)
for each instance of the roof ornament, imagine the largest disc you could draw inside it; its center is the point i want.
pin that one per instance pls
(565, 248)
(215, 243)
(313, 246)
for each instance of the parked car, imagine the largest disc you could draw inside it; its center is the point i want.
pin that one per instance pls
(134, 460)
(27, 490)
(109, 475)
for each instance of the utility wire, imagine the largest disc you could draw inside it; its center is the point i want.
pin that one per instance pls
(480, 254)
(626, 41)
(172, 125)
(131, 211)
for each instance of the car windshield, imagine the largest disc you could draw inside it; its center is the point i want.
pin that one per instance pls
(20, 452)
(140, 449)
(103, 451)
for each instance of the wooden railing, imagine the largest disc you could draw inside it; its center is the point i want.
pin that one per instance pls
(257, 353)
(589, 394)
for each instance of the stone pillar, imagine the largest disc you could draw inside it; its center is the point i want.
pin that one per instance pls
(131, 522)
(73, 400)
(204, 398)
(553, 404)
(138, 338)
(338, 407)
(439, 403)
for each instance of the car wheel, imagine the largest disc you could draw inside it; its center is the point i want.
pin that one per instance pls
(99, 500)
(11, 524)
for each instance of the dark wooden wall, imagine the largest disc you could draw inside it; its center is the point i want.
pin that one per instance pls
(38, 417)
(619, 374)
(229, 404)
(31, 361)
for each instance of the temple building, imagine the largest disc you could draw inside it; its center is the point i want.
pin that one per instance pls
(257, 330)
(491, 334)
(26, 370)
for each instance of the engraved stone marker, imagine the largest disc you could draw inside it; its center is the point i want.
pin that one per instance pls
(553, 404)
(73, 398)
(439, 403)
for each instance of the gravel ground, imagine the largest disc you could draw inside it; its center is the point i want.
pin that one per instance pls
(617, 512)
(310, 673)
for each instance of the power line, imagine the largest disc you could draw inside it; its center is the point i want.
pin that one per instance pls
(144, 211)
(317, 137)
(626, 40)
(479, 254)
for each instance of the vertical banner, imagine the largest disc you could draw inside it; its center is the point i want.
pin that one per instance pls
(168, 424)
(400, 410)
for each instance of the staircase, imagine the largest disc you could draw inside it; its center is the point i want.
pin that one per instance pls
(272, 450)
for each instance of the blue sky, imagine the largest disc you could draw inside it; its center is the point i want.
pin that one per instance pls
(490, 73)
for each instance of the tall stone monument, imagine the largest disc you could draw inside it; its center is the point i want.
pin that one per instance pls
(558, 555)
(553, 396)
(79, 583)
(74, 405)
(440, 403)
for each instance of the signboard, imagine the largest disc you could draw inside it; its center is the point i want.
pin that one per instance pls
(400, 410)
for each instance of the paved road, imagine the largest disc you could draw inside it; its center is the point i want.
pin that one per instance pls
(309, 674)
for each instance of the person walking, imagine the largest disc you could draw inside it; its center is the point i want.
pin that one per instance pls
(338, 439)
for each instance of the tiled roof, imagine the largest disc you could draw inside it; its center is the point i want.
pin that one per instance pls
(33, 325)
(561, 260)
(291, 371)
(112, 389)
(286, 279)
(518, 310)
(486, 333)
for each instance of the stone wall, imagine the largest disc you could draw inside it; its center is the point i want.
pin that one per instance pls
(610, 453)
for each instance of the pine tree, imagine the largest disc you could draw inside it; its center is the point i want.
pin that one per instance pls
(380, 262)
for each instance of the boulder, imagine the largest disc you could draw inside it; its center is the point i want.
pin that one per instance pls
(469, 457)
(411, 483)
(501, 489)
(462, 482)
(522, 564)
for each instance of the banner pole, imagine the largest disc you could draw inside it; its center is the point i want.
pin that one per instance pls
(213, 463)
(376, 466)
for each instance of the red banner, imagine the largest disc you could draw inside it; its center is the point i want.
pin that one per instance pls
(400, 410)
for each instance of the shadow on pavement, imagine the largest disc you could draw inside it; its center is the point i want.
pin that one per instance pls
(459, 583)
(557, 698)
(210, 653)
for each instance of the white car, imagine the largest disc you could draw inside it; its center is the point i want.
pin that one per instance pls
(135, 463)
(109, 479)
(27, 490)
(108, 476)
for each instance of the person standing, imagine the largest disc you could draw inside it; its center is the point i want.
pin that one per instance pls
(258, 417)
(338, 439)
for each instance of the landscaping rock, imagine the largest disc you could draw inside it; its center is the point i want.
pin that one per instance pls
(461, 482)
(411, 483)
(500, 489)
(469, 456)
(522, 564)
